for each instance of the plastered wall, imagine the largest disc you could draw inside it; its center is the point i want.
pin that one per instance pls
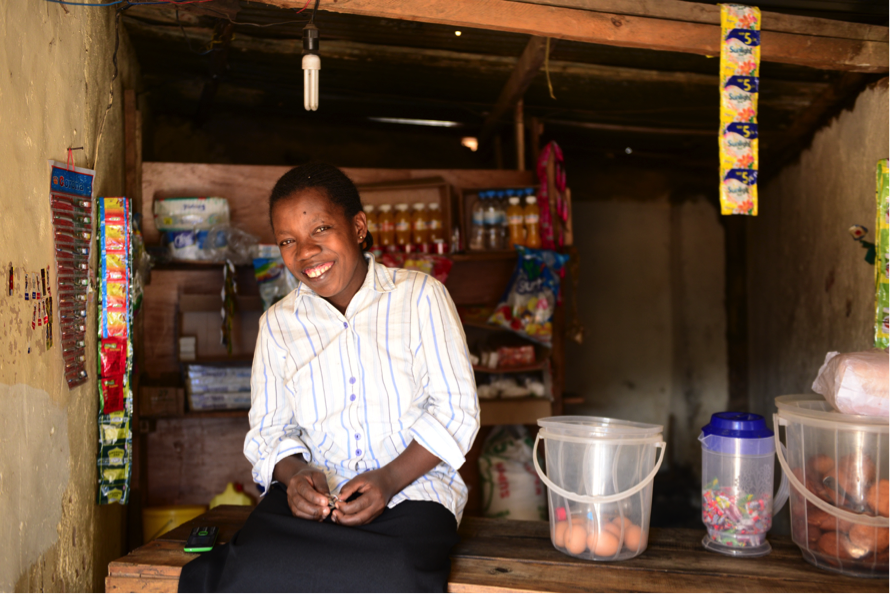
(651, 298)
(810, 290)
(55, 78)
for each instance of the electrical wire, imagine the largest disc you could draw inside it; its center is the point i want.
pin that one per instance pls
(128, 2)
(86, 3)
(234, 22)
(314, 10)
(188, 41)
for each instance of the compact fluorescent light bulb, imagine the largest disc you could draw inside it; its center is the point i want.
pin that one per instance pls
(311, 67)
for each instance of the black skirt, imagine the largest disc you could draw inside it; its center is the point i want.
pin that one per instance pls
(405, 549)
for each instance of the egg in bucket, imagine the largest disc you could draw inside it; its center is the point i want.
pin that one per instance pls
(599, 478)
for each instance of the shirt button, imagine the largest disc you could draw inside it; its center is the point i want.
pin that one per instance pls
(357, 437)
(358, 452)
(352, 397)
(345, 325)
(352, 380)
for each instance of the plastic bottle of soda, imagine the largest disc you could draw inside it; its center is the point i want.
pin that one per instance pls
(477, 229)
(403, 226)
(373, 225)
(532, 223)
(492, 223)
(516, 222)
(386, 226)
(419, 228)
(435, 224)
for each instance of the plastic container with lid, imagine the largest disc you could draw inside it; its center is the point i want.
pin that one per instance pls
(435, 225)
(738, 457)
(837, 467)
(371, 215)
(599, 476)
(532, 223)
(386, 227)
(419, 228)
(402, 225)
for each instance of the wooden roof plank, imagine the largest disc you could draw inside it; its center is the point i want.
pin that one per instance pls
(614, 29)
(695, 12)
(521, 78)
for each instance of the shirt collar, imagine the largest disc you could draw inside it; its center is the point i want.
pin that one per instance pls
(379, 279)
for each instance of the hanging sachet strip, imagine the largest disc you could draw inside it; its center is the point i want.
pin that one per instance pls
(739, 89)
(882, 258)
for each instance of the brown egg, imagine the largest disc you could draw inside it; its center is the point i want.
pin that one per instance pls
(870, 538)
(613, 529)
(603, 543)
(619, 520)
(822, 464)
(835, 544)
(576, 539)
(854, 474)
(879, 497)
(559, 533)
(633, 538)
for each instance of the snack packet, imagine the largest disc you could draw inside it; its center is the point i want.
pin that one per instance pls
(437, 267)
(528, 304)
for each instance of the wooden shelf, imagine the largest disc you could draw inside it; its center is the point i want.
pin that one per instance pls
(481, 256)
(216, 414)
(537, 366)
(514, 411)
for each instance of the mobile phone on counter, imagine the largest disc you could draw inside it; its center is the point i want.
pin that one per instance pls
(201, 539)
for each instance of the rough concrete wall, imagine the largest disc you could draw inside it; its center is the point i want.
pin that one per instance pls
(810, 291)
(700, 373)
(623, 369)
(651, 298)
(55, 75)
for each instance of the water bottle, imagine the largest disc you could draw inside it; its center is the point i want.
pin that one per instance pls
(492, 222)
(477, 229)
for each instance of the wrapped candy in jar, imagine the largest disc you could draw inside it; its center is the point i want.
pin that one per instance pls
(738, 455)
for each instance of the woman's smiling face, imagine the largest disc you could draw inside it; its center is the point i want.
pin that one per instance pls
(320, 245)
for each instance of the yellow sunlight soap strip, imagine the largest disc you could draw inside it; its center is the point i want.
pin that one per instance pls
(882, 258)
(739, 87)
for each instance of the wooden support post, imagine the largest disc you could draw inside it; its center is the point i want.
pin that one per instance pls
(520, 136)
(521, 78)
(735, 230)
(536, 128)
(217, 69)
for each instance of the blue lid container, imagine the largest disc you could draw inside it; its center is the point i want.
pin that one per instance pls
(738, 433)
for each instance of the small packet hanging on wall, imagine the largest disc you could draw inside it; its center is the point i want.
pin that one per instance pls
(882, 259)
(739, 92)
(112, 356)
(112, 390)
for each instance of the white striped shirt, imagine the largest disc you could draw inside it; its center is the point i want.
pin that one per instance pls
(350, 392)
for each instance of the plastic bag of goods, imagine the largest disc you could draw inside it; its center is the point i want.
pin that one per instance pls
(856, 383)
(273, 279)
(188, 214)
(530, 299)
(510, 487)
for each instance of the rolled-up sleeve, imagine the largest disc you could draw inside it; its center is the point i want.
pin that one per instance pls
(450, 421)
(274, 433)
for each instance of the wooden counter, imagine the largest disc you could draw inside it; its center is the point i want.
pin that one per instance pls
(514, 556)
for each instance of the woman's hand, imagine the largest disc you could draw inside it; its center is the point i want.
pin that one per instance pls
(375, 489)
(307, 488)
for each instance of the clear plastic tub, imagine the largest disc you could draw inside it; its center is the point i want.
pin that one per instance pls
(738, 457)
(837, 467)
(599, 478)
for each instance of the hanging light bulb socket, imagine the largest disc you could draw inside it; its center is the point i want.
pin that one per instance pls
(311, 67)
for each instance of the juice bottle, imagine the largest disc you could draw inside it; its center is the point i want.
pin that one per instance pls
(419, 232)
(386, 226)
(477, 230)
(373, 226)
(435, 225)
(532, 219)
(516, 222)
(403, 225)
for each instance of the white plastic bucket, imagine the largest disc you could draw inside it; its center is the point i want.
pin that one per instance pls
(599, 478)
(837, 467)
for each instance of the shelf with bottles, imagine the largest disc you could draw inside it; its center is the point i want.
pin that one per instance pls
(495, 220)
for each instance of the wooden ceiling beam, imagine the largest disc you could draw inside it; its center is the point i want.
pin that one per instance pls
(661, 34)
(527, 67)
(696, 12)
